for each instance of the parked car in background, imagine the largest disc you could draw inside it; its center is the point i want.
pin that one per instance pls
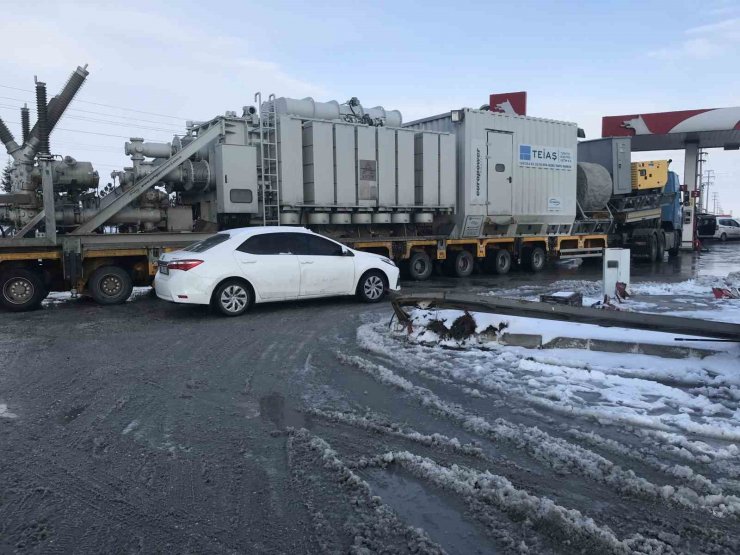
(727, 228)
(706, 225)
(234, 269)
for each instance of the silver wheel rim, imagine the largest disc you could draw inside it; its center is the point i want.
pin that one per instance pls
(537, 259)
(111, 285)
(463, 264)
(234, 298)
(420, 266)
(373, 287)
(18, 290)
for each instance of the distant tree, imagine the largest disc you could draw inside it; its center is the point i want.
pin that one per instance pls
(5, 181)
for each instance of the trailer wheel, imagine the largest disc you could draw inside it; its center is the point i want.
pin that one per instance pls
(673, 250)
(110, 285)
(652, 248)
(420, 266)
(500, 262)
(21, 290)
(661, 246)
(462, 264)
(534, 258)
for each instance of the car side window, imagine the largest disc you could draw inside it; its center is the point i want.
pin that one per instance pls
(318, 246)
(269, 244)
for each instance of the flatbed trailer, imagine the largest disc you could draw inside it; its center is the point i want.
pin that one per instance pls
(108, 266)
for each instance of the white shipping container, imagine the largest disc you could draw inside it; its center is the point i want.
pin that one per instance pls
(518, 173)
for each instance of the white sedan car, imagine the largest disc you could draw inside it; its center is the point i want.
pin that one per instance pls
(236, 268)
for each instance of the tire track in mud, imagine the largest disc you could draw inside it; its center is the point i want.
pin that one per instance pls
(631, 452)
(562, 456)
(371, 527)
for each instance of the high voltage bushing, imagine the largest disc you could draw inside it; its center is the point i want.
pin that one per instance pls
(43, 121)
(25, 123)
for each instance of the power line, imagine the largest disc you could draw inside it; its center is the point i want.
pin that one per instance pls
(80, 131)
(109, 122)
(105, 105)
(108, 114)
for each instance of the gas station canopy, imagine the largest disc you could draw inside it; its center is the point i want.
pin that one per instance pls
(710, 128)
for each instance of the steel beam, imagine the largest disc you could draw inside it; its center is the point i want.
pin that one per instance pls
(607, 318)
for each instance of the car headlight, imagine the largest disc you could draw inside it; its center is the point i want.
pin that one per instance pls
(388, 261)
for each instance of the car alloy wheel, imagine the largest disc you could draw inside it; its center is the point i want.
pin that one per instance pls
(373, 287)
(234, 298)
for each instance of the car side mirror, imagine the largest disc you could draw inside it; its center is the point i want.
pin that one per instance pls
(347, 252)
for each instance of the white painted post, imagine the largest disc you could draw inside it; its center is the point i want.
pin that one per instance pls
(689, 178)
(616, 268)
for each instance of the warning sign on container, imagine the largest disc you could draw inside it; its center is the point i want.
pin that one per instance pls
(547, 157)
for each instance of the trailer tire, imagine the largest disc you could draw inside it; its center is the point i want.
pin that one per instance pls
(652, 248)
(500, 262)
(461, 264)
(673, 250)
(21, 289)
(661, 246)
(110, 285)
(534, 258)
(420, 266)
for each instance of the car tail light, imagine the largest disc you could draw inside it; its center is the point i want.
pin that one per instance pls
(183, 265)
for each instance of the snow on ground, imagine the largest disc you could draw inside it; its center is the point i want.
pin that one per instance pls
(691, 298)
(5, 413)
(61, 297)
(688, 397)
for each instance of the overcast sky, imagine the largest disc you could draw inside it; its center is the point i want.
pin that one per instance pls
(578, 61)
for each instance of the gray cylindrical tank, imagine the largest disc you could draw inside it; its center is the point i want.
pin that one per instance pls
(307, 108)
(594, 186)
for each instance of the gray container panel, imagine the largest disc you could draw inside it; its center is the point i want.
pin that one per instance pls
(447, 171)
(236, 179)
(426, 167)
(405, 168)
(614, 154)
(291, 161)
(344, 165)
(318, 164)
(367, 167)
(386, 167)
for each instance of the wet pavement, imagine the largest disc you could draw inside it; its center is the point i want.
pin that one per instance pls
(310, 428)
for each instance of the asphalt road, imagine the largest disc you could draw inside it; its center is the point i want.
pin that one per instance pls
(155, 428)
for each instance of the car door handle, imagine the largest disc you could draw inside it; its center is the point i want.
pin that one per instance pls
(248, 261)
(307, 262)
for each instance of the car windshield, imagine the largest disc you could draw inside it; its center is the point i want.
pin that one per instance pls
(208, 243)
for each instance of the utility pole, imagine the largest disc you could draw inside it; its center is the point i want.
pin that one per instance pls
(708, 181)
(714, 202)
(701, 158)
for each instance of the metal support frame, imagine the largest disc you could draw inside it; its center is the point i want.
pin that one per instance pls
(47, 186)
(216, 130)
(688, 232)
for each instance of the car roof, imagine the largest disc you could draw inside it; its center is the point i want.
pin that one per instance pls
(259, 230)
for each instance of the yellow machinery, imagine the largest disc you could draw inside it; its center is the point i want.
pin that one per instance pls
(649, 175)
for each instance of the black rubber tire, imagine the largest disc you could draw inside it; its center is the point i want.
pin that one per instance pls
(240, 294)
(652, 248)
(673, 250)
(500, 262)
(661, 246)
(110, 285)
(463, 264)
(372, 286)
(420, 266)
(534, 259)
(21, 290)
(723, 237)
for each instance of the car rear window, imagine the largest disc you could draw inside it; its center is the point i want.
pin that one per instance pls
(208, 243)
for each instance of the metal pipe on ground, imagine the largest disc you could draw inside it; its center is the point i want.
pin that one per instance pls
(545, 311)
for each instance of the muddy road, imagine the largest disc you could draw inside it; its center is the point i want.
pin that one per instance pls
(302, 428)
